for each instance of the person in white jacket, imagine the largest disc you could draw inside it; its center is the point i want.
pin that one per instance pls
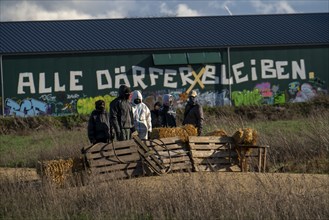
(142, 115)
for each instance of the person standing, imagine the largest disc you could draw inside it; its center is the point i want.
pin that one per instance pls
(98, 124)
(193, 113)
(142, 116)
(167, 112)
(121, 115)
(155, 115)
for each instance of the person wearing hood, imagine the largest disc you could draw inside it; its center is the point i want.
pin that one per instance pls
(121, 115)
(155, 115)
(167, 112)
(98, 124)
(142, 116)
(193, 113)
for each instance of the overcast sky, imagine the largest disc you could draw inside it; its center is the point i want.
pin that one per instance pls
(27, 10)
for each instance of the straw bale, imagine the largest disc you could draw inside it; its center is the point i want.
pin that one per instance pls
(245, 136)
(183, 132)
(57, 170)
(219, 132)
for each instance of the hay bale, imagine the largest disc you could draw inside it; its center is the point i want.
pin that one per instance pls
(182, 132)
(56, 171)
(245, 136)
(219, 132)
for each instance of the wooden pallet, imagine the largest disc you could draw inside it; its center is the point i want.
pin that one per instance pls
(115, 160)
(212, 153)
(254, 159)
(172, 152)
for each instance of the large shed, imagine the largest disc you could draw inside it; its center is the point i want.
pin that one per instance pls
(62, 67)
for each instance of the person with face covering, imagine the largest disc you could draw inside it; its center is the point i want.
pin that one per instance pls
(167, 112)
(121, 115)
(193, 113)
(155, 115)
(142, 115)
(98, 124)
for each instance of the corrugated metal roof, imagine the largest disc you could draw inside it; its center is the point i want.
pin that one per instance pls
(133, 34)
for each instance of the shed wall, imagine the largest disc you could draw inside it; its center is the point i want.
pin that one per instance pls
(65, 84)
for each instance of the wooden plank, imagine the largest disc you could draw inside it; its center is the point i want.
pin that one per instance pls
(142, 149)
(168, 140)
(213, 168)
(175, 159)
(113, 160)
(110, 153)
(116, 144)
(213, 153)
(153, 166)
(159, 146)
(211, 160)
(123, 174)
(171, 153)
(208, 146)
(210, 139)
(181, 166)
(115, 167)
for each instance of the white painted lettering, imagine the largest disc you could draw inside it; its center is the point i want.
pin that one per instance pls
(186, 77)
(253, 70)
(74, 81)
(169, 77)
(154, 74)
(237, 73)
(138, 76)
(224, 79)
(280, 70)
(298, 69)
(22, 84)
(121, 77)
(58, 87)
(209, 76)
(42, 84)
(266, 66)
(99, 77)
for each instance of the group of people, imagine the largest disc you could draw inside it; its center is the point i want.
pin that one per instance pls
(127, 116)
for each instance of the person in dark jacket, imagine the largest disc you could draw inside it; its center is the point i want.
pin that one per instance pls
(121, 115)
(98, 124)
(193, 113)
(167, 112)
(155, 115)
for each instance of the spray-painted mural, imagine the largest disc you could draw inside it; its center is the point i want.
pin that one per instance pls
(60, 85)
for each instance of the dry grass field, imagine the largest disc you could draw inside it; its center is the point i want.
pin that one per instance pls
(201, 195)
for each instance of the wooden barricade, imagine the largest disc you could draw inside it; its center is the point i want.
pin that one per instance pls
(248, 153)
(117, 160)
(172, 152)
(212, 153)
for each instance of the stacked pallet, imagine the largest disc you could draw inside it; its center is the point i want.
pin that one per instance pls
(212, 153)
(172, 152)
(114, 160)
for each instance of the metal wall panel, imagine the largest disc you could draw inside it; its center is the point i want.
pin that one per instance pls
(66, 84)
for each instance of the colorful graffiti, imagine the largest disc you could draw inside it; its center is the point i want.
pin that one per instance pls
(263, 93)
(27, 107)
